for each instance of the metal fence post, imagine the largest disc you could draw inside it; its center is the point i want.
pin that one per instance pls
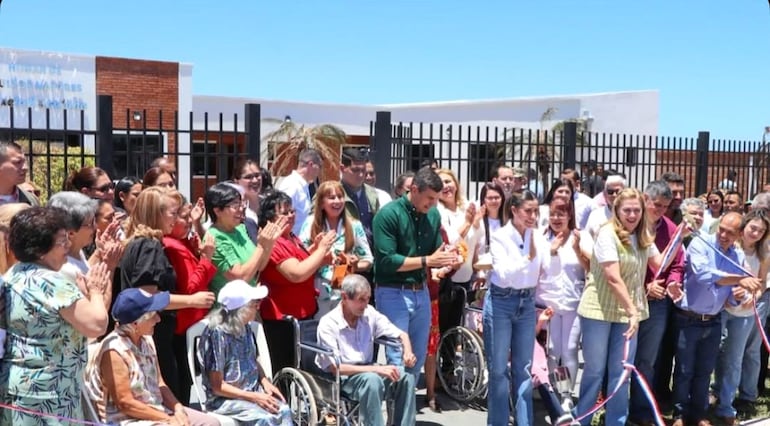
(569, 145)
(253, 129)
(104, 151)
(381, 150)
(702, 163)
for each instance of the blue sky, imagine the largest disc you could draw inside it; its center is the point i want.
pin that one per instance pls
(709, 58)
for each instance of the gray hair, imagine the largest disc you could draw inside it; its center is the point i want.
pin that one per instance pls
(761, 201)
(78, 206)
(231, 322)
(658, 189)
(694, 201)
(130, 328)
(309, 154)
(355, 284)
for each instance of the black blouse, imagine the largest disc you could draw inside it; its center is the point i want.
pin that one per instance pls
(145, 263)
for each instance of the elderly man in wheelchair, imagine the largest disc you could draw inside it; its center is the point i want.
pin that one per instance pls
(349, 331)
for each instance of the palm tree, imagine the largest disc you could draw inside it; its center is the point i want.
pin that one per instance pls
(291, 138)
(542, 147)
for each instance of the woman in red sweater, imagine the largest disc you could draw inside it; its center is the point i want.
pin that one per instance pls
(289, 275)
(191, 260)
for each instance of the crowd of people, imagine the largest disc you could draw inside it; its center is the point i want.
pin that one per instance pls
(127, 266)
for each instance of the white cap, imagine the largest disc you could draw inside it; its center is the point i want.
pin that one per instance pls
(238, 293)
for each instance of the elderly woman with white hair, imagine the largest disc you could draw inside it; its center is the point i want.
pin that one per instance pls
(124, 377)
(236, 385)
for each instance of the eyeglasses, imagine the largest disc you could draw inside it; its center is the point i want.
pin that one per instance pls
(104, 188)
(251, 176)
(63, 242)
(237, 205)
(611, 191)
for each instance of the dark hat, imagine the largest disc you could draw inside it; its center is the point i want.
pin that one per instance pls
(132, 303)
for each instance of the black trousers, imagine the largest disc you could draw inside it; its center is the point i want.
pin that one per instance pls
(164, 346)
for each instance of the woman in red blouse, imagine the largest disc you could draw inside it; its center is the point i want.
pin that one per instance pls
(191, 260)
(289, 275)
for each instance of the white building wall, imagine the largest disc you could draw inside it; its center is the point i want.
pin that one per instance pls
(623, 113)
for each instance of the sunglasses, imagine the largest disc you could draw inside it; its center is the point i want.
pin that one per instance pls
(104, 188)
(611, 191)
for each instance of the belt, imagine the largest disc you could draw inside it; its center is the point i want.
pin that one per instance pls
(515, 291)
(412, 287)
(697, 316)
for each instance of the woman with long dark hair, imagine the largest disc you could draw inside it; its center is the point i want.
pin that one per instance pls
(519, 257)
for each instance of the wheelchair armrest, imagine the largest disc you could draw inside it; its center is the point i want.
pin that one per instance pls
(474, 309)
(313, 347)
(393, 342)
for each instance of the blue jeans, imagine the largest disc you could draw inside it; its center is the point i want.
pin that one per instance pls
(696, 357)
(731, 360)
(369, 389)
(603, 346)
(751, 359)
(509, 329)
(649, 337)
(408, 310)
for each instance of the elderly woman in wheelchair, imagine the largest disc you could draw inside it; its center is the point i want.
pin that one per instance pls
(349, 331)
(235, 382)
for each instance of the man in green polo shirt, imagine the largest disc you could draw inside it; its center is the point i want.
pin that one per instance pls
(408, 241)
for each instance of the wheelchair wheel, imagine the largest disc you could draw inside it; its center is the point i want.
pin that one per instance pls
(300, 390)
(461, 364)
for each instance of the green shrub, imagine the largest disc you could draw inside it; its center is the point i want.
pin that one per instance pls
(51, 180)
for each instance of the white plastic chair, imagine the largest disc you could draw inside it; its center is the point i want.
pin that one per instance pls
(193, 337)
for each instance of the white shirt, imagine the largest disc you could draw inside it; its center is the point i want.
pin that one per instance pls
(353, 345)
(383, 197)
(452, 221)
(562, 289)
(511, 266)
(596, 219)
(583, 205)
(296, 187)
(74, 267)
(494, 225)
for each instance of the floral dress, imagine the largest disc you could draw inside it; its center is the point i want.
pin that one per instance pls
(44, 355)
(236, 358)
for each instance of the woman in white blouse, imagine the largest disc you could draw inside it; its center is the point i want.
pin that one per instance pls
(492, 200)
(570, 256)
(519, 258)
(461, 221)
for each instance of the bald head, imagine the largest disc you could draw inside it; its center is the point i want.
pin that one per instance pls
(729, 229)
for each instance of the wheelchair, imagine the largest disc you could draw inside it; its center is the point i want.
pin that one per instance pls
(462, 365)
(315, 396)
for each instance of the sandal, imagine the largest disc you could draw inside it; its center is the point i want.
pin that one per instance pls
(434, 405)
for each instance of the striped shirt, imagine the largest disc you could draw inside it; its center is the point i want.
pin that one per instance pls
(598, 301)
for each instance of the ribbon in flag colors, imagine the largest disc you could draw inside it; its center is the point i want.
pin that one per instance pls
(757, 318)
(628, 370)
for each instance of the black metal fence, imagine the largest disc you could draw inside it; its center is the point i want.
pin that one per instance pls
(473, 152)
(208, 149)
(209, 145)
